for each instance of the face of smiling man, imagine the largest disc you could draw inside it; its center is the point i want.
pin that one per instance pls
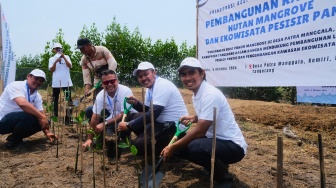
(146, 77)
(110, 82)
(191, 78)
(34, 82)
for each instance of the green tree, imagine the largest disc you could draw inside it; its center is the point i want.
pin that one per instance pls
(128, 49)
(25, 65)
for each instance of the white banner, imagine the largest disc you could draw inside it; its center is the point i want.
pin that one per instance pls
(318, 94)
(268, 43)
(8, 68)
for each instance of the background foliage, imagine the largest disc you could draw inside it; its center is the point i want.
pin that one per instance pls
(129, 49)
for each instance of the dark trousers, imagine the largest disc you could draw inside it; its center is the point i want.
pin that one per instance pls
(199, 151)
(164, 132)
(56, 93)
(20, 124)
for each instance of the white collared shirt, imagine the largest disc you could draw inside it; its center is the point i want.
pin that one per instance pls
(14, 90)
(206, 99)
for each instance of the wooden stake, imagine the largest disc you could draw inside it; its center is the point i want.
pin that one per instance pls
(213, 153)
(279, 162)
(145, 135)
(322, 175)
(116, 133)
(104, 134)
(153, 140)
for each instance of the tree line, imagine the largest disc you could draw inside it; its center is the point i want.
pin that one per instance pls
(129, 48)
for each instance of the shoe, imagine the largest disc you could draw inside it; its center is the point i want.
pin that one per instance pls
(111, 153)
(13, 144)
(223, 184)
(221, 172)
(67, 120)
(109, 131)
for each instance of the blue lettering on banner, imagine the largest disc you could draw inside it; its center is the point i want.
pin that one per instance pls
(8, 67)
(243, 23)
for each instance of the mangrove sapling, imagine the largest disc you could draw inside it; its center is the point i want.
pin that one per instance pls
(81, 122)
(96, 146)
(52, 119)
(55, 119)
(134, 151)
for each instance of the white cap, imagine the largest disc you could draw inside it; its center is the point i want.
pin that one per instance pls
(57, 45)
(38, 73)
(143, 66)
(190, 62)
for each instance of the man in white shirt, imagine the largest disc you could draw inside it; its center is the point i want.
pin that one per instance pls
(196, 145)
(60, 65)
(114, 109)
(21, 110)
(168, 106)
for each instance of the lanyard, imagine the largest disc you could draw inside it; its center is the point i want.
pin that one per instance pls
(150, 94)
(150, 91)
(114, 98)
(28, 93)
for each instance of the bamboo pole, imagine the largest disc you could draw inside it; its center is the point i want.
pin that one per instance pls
(145, 135)
(116, 133)
(82, 131)
(104, 134)
(153, 141)
(279, 162)
(213, 153)
(321, 159)
(60, 96)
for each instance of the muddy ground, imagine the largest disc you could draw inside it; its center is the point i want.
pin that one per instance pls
(34, 164)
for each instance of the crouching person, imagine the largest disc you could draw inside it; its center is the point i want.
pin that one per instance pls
(196, 145)
(168, 106)
(21, 110)
(114, 109)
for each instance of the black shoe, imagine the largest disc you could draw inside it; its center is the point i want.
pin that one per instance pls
(111, 153)
(67, 120)
(221, 172)
(224, 184)
(13, 144)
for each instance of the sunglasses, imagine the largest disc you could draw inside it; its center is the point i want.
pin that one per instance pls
(107, 82)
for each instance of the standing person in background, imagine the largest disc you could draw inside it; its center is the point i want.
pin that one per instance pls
(95, 59)
(21, 110)
(196, 145)
(60, 65)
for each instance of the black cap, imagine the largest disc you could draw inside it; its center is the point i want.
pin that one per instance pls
(81, 42)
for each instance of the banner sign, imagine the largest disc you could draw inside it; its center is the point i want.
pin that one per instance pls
(8, 68)
(318, 94)
(268, 42)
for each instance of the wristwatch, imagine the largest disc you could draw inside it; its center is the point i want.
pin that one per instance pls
(106, 123)
(128, 126)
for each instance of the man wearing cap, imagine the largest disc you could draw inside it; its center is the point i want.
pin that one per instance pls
(112, 101)
(21, 110)
(196, 145)
(168, 106)
(60, 65)
(95, 59)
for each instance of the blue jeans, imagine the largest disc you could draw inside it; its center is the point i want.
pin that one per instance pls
(20, 124)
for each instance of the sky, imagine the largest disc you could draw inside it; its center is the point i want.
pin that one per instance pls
(33, 23)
